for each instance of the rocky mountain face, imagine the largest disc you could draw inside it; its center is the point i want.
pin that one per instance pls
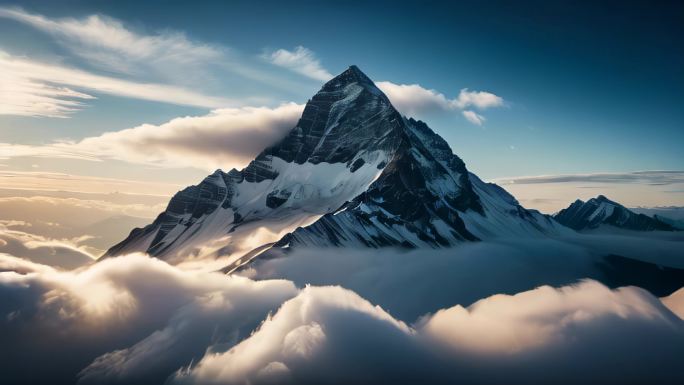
(352, 172)
(425, 197)
(601, 211)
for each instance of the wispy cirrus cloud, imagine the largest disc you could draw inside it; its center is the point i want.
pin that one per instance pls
(300, 60)
(34, 88)
(108, 43)
(164, 66)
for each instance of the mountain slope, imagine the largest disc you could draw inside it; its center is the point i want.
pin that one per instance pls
(601, 211)
(387, 179)
(343, 140)
(425, 197)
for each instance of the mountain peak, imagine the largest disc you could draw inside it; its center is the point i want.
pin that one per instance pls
(603, 199)
(603, 211)
(350, 76)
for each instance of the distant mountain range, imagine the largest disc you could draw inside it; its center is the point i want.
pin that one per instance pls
(353, 172)
(672, 215)
(602, 211)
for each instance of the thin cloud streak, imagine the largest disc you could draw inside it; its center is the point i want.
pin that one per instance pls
(657, 177)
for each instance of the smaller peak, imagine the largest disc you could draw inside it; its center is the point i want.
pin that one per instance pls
(603, 199)
(416, 121)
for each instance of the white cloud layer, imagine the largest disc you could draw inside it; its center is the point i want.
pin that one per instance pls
(138, 320)
(414, 100)
(302, 61)
(225, 138)
(61, 321)
(547, 335)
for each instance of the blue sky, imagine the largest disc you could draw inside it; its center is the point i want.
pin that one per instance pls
(583, 89)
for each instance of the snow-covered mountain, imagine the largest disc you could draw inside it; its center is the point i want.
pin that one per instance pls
(352, 172)
(601, 211)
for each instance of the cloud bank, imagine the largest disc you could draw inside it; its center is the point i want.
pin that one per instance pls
(61, 321)
(225, 138)
(442, 278)
(138, 320)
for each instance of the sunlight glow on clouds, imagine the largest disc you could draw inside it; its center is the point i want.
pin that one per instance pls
(63, 253)
(197, 327)
(225, 138)
(21, 95)
(135, 300)
(341, 336)
(89, 224)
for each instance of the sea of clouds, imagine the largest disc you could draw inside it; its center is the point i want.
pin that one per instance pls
(352, 316)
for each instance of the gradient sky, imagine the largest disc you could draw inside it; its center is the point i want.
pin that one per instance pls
(584, 89)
